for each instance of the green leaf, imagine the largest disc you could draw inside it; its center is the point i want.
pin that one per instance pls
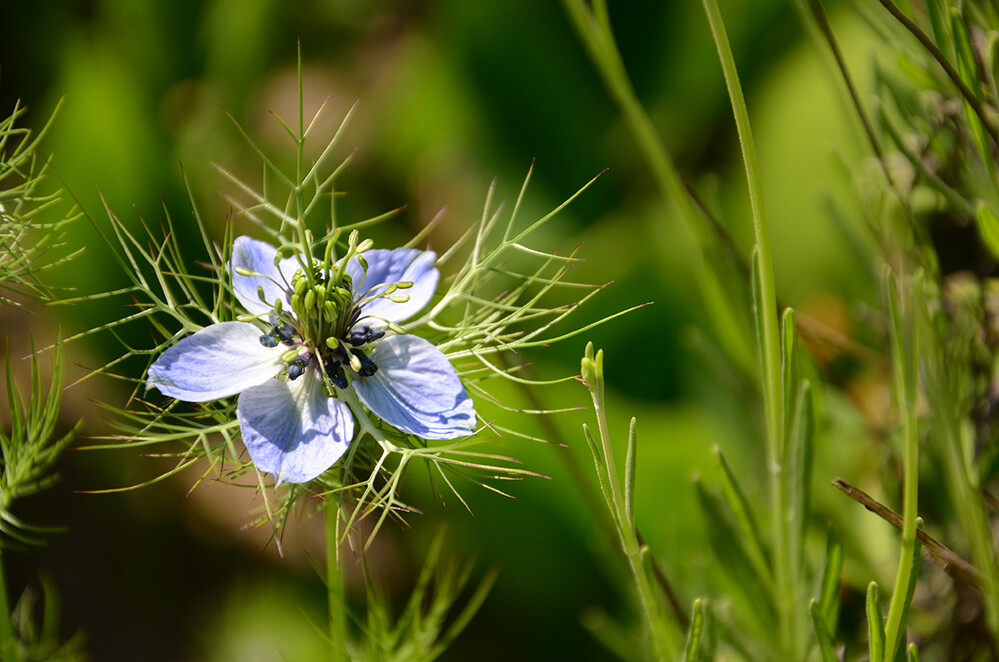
(875, 624)
(798, 455)
(829, 591)
(629, 474)
(692, 649)
(988, 226)
(730, 549)
(821, 630)
(742, 510)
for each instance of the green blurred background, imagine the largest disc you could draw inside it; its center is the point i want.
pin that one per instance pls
(451, 94)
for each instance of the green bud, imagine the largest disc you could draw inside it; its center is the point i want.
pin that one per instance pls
(404, 284)
(310, 299)
(352, 238)
(243, 271)
(320, 295)
(296, 302)
(592, 368)
(391, 288)
(260, 293)
(300, 283)
(278, 304)
(332, 343)
(355, 363)
(399, 298)
(289, 356)
(365, 246)
(364, 263)
(330, 311)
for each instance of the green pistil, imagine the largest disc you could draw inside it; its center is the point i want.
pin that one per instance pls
(323, 309)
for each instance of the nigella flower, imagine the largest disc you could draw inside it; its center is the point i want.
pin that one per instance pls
(333, 332)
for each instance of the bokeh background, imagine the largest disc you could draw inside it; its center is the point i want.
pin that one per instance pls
(450, 94)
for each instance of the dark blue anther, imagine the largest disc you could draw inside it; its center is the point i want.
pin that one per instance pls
(286, 333)
(336, 374)
(368, 366)
(270, 339)
(297, 367)
(362, 335)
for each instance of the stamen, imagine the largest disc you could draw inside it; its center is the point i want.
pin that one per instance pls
(367, 366)
(270, 339)
(297, 368)
(334, 370)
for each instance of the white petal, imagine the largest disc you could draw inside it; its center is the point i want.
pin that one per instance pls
(416, 390)
(393, 266)
(292, 429)
(258, 257)
(216, 362)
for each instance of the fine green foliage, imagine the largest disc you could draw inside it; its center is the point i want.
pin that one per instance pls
(430, 619)
(30, 242)
(29, 449)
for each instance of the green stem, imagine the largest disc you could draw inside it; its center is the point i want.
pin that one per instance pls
(789, 610)
(905, 386)
(336, 594)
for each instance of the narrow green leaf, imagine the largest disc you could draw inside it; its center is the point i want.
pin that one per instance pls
(742, 510)
(821, 630)
(729, 546)
(941, 27)
(967, 67)
(789, 365)
(831, 573)
(988, 226)
(875, 624)
(798, 462)
(629, 474)
(692, 649)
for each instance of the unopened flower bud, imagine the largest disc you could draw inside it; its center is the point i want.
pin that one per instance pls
(310, 299)
(243, 271)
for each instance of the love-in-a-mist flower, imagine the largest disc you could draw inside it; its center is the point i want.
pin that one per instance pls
(330, 329)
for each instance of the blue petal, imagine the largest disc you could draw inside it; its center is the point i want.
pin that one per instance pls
(392, 266)
(258, 257)
(292, 429)
(216, 362)
(417, 390)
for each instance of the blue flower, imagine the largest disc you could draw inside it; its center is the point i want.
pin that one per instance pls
(330, 331)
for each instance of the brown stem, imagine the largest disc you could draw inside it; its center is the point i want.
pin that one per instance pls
(939, 554)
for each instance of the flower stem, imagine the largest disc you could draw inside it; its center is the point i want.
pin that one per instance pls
(905, 387)
(789, 610)
(335, 592)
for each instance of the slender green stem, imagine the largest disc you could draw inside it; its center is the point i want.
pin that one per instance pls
(790, 611)
(905, 386)
(336, 594)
